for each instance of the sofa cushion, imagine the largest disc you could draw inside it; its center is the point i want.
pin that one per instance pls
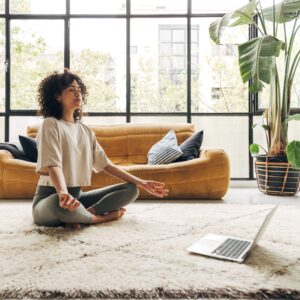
(164, 151)
(191, 147)
(30, 147)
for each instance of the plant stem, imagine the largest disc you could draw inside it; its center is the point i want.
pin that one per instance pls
(274, 33)
(279, 10)
(287, 70)
(285, 40)
(291, 79)
(295, 62)
(262, 18)
(294, 66)
(267, 137)
(263, 148)
(268, 128)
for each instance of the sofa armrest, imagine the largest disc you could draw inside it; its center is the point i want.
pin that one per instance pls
(209, 173)
(4, 156)
(15, 174)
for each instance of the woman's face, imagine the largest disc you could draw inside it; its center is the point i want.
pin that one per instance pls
(71, 97)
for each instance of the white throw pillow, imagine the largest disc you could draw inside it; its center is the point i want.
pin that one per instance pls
(164, 151)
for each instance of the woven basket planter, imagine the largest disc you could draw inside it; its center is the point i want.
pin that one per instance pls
(275, 176)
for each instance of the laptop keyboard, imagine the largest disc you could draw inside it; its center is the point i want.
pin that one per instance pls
(231, 248)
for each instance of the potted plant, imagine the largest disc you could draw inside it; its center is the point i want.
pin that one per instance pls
(278, 170)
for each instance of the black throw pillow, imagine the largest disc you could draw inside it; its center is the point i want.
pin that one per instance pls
(30, 147)
(14, 150)
(191, 147)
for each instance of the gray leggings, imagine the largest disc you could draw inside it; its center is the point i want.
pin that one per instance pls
(47, 212)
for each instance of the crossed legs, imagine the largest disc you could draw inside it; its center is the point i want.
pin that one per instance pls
(97, 206)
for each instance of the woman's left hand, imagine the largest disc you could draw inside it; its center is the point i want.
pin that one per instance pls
(154, 187)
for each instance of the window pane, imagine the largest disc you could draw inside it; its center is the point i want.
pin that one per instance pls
(179, 35)
(36, 51)
(235, 144)
(98, 7)
(2, 6)
(200, 6)
(2, 129)
(158, 6)
(178, 49)
(158, 119)
(217, 69)
(2, 61)
(295, 92)
(98, 53)
(37, 6)
(158, 76)
(103, 120)
(18, 126)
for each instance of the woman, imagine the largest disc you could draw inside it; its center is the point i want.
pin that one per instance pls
(68, 152)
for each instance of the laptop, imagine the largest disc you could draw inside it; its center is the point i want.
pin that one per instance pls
(229, 247)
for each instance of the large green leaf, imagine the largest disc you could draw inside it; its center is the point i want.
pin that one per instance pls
(293, 117)
(293, 153)
(285, 11)
(256, 60)
(241, 16)
(254, 149)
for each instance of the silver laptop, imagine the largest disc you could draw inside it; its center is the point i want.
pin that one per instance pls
(229, 247)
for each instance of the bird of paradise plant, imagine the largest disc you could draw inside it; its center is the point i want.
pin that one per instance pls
(258, 62)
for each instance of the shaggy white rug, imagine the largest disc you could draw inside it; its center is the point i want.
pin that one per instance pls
(143, 254)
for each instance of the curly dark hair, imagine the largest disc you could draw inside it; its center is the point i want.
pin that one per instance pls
(52, 86)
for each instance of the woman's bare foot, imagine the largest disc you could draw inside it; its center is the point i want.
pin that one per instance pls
(113, 215)
(73, 225)
(91, 210)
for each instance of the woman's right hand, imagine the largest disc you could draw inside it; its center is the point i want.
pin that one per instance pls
(67, 201)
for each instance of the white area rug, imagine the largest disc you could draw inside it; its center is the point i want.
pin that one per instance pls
(143, 254)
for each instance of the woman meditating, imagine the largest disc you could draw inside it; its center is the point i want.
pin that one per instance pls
(68, 152)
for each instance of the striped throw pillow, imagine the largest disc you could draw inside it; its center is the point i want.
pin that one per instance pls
(165, 151)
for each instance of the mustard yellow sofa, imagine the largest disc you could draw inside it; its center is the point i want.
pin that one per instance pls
(127, 145)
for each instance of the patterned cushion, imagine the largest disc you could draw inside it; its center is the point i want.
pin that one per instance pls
(165, 151)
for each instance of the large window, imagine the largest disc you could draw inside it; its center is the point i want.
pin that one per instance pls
(100, 58)
(2, 6)
(36, 49)
(216, 83)
(158, 65)
(216, 6)
(215, 136)
(37, 6)
(142, 61)
(158, 6)
(18, 126)
(98, 7)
